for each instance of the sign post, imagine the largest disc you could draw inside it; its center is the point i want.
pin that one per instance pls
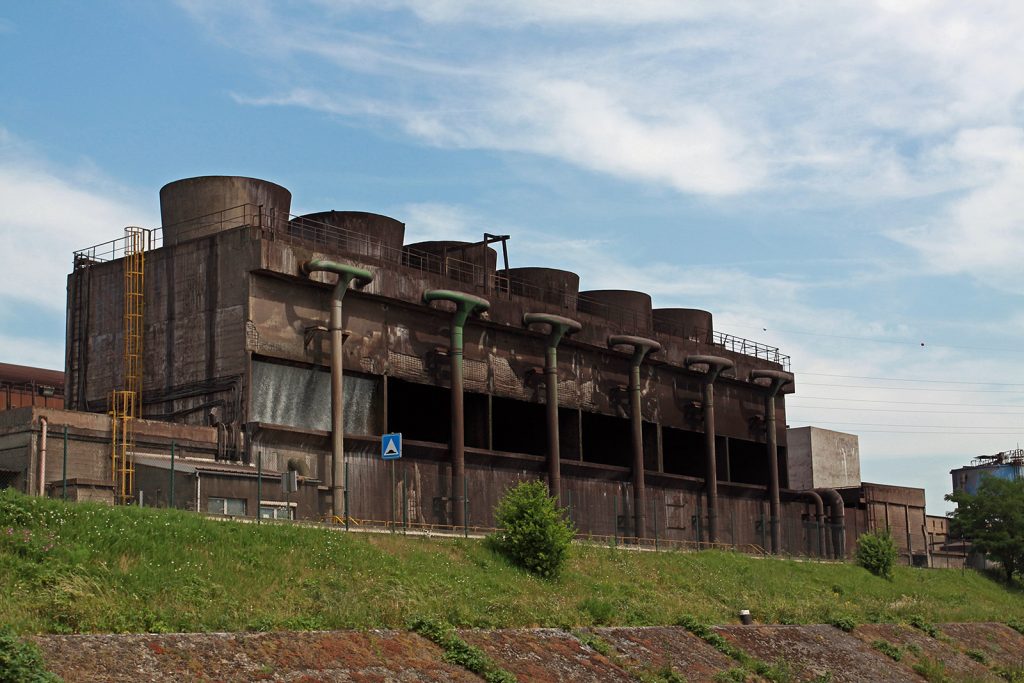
(391, 449)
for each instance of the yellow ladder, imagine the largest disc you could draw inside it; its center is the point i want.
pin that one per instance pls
(126, 404)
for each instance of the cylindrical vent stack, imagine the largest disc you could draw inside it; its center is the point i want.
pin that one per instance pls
(629, 310)
(550, 285)
(462, 261)
(688, 323)
(197, 207)
(353, 232)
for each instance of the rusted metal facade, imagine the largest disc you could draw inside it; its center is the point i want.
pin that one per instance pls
(22, 386)
(236, 338)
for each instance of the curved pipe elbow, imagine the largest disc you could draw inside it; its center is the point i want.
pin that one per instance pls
(641, 345)
(716, 365)
(559, 326)
(819, 504)
(836, 506)
(777, 379)
(465, 304)
(361, 276)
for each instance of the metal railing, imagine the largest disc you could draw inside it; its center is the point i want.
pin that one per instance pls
(309, 232)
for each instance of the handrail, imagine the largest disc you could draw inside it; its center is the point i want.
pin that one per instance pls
(290, 228)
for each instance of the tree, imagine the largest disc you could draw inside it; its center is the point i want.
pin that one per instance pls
(534, 533)
(993, 521)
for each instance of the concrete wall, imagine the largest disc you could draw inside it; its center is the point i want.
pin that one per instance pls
(822, 458)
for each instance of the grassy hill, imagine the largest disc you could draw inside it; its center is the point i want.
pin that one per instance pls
(92, 568)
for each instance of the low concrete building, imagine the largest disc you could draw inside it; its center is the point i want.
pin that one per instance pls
(66, 454)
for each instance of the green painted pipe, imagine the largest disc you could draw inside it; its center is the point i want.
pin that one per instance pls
(641, 347)
(346, 274)
(559, 327)
(465, 305)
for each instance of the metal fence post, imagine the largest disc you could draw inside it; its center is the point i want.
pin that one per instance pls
(170, 487)
(64, 469)
(259, 482)
(346, 495)
(655, 525)
(615, 521)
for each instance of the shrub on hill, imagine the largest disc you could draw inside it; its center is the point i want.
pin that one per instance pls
(21, 662)
(876, 552)
(534, 533)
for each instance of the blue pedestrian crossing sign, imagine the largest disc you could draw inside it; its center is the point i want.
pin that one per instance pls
(391, 446)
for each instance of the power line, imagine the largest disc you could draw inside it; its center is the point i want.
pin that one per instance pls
(865, 386)
(903, 410)
(885, 424)
(910, 403)
(904, 379)
(896, 431)
(898, 342)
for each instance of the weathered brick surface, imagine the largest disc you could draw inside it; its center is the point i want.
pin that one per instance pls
(358, 657)
(656, 648)
(544, 655)
(815, 651)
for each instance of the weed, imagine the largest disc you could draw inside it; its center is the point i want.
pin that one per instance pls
(1017, 625)
(737, 674)
(595, 643)
(891, 651)
(978, 656)
(932, 671)
(459, 652)
(601, 612)
(1013, 674)
(21, 662)
(846, 624)
(921, 624)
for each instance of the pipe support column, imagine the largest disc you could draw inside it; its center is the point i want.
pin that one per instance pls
(346, 274)
(777, 380)
(465, 305)
(641, 347)
(559, 327)
(716, 365)
(41, 484)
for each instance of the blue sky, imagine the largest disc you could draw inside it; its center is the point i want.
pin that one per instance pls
(842, 180)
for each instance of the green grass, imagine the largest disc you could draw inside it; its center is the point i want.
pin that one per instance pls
(91, 568)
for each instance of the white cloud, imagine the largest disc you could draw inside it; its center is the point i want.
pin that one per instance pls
(428, 221)
(981, 232)
(48, 214)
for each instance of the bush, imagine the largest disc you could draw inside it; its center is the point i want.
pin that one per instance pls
(876, 552)
(21, 662)
(534, 533)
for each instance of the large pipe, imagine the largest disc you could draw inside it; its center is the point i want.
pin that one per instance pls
(716, 366)
(819, 518)
(837, 520)
(465, 305)
(346, 274)
(776, 380)
(41, 486)
(641, 347)
(559, 327)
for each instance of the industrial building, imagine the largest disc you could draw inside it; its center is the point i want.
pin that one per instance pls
(238, 343)
(1004, 465)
